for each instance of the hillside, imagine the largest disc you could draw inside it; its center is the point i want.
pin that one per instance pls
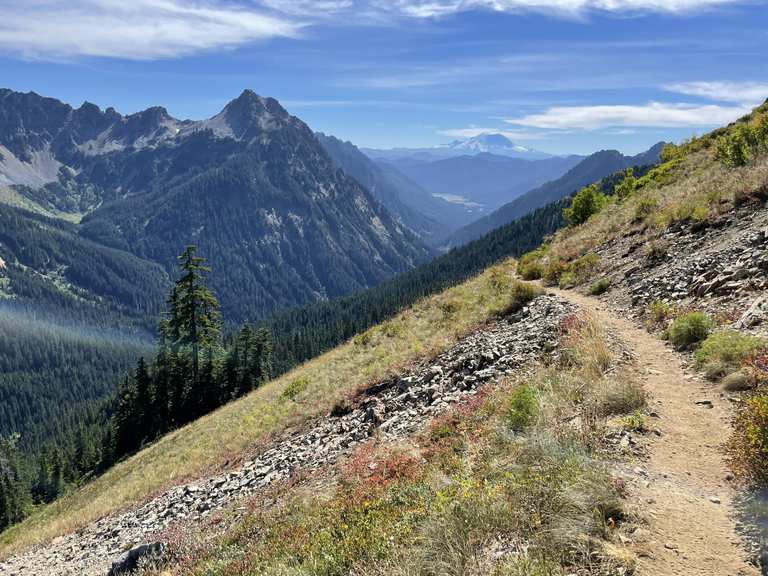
(394, 193)
(552, 442)
(588, 170)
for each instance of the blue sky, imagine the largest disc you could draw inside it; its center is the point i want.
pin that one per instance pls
(558, 75)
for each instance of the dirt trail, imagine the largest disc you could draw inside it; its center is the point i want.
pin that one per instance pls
(683, 491)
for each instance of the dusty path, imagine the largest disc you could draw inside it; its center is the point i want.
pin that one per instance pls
(682, 490)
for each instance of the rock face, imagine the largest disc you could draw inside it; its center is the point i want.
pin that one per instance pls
(252, 187)
(393, 409)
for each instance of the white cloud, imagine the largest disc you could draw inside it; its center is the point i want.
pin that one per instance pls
(132, 29)
(436, 8)
(742, 92)
(653, 114)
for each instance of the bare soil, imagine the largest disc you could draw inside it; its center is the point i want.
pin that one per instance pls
(683, 491)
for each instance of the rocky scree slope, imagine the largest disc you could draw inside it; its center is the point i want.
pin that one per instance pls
(720, 266)
(392, 409)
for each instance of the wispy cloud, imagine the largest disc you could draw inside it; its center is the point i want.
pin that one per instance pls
(132, 29)
(437, 8)
(152, 29)
(742, 92)
(651, 115)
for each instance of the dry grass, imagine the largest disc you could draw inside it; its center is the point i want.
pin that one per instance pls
(427, 328)
(698, 188)
(499, 485)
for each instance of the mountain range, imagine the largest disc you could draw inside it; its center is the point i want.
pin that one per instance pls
(252, 186)
(589, 170)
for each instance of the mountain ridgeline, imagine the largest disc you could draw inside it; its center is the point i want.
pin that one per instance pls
(252, 187)
(591, 169)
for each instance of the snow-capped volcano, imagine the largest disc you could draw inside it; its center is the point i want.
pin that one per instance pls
(494, 144)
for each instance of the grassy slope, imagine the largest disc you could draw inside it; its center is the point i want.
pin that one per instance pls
(695, 186)
(512, 482)
(428, 327)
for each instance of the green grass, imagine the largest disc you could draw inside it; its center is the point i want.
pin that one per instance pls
(236, 429)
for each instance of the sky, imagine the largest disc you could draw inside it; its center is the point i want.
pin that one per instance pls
(561, 76)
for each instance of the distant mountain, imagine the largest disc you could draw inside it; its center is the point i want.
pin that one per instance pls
(484, 182)
(252, 187)
(413, 206)
(497, 144)
(589, 170)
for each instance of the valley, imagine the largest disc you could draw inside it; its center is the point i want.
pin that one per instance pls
(564, 422)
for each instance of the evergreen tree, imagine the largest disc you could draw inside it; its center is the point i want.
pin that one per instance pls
(15, 492)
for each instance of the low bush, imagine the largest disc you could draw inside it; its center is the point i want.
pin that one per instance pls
(523, 407)
(579, 271)
(294, 388)
(645, 207)
(729, 349)
(689, 329)
(600, 287)
(635, 422)
(618, 396)
(743, 142)
(530, 266)
(520, 294)
(552, 272)
(659, 312)
(748, 446)
(737, 382)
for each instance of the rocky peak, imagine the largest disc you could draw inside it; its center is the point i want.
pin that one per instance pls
(248, 115)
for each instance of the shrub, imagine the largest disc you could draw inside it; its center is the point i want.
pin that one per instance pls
(659, 312)
(555, 268)
(737, 382)
(600, 287)
(579, 271)
(294, 388)
(689, 329)
(499, 280)
(729, 349)
(742, 143)
(627, 186)
(523, 407)
(520, 294)
(587, 201)
(618, 396)
(635, 422)
(449, 309)
(530, 266)
(748, 446)
(645, 207)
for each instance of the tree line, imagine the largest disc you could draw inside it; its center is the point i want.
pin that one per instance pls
(194, 371)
